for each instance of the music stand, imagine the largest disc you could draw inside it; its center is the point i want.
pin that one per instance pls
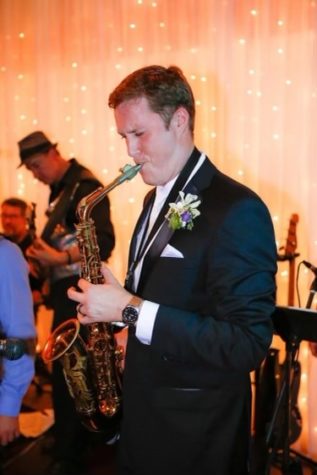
(293, 325)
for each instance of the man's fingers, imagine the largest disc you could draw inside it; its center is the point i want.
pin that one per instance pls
(73, 294)
(108, 275)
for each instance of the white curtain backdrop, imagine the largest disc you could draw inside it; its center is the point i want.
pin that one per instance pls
(253, 68)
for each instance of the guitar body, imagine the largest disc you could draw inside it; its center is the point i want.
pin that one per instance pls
(269, 384)
(270, 376)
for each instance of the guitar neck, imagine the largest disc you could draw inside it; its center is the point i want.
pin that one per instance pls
(290, 255)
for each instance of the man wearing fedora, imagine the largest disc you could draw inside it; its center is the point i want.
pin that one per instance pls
(58, 252)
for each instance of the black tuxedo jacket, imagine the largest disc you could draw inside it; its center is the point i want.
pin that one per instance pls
(186, 396)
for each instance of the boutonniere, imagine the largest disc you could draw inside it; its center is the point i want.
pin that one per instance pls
(182, 213)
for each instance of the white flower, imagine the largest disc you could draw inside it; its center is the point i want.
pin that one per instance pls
(182, 213)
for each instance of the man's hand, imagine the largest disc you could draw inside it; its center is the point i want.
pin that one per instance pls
(45, 254)
(9, 429)
(101, 302)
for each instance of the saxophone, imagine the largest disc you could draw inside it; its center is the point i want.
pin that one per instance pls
(91, 367)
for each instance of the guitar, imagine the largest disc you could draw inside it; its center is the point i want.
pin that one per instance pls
(271, 373)
(290, 256)
(38, 274)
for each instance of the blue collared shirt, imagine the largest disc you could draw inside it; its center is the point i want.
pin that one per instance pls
(16, 321)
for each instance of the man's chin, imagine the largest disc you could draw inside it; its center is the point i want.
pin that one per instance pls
(147, 178)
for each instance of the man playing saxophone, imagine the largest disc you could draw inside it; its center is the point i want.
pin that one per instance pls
(198, 296)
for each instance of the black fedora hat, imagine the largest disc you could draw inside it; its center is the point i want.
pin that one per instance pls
(33, 144)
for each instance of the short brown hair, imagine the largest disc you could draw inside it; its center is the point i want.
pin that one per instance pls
(16, 203)
(166, 89)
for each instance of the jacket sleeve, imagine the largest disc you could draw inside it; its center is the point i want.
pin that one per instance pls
(229, 326)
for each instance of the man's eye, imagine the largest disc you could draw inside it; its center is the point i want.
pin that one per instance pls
(138, 134)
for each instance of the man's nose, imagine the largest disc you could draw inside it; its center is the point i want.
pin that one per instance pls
(133, 148)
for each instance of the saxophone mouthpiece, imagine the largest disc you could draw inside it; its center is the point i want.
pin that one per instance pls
(88, 202)
(129, 171)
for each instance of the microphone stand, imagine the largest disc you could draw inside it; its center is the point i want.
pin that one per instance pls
(312, 292)
(311, 463)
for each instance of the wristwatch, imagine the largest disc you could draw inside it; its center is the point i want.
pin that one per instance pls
(130, 313)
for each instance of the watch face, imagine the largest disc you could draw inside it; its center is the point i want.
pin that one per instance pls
(130, 315)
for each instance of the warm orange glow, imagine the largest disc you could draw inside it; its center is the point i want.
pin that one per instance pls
(252, 66)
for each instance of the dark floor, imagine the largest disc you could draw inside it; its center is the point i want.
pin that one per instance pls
(31, 456)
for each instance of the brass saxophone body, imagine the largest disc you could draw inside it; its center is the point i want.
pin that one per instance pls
(92, 367)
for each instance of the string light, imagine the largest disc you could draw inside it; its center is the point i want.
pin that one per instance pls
(242, 106)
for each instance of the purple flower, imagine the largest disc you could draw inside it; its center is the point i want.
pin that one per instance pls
(186, 216)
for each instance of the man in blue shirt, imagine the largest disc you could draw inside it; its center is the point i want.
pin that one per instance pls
(16, 321)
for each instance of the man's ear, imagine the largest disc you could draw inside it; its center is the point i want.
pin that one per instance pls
(180, 119)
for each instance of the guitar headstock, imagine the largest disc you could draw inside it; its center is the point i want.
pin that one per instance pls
(291, 240)
(31, 217)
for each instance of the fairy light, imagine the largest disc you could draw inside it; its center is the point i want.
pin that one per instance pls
(240, 80)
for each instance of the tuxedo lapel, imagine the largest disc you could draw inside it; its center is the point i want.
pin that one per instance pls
(165, 232)
(164, 235)
(138, 227)
(173, 195)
